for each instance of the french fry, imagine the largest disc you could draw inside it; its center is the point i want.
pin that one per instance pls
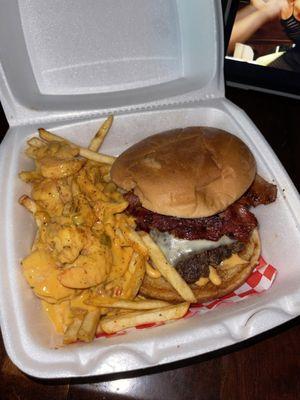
(89, 325)
(28, 203)
(167, 271)
(71, 334)
(115, 208)
(135, 240)
(50, 137)
(91, 155)
(29, 176)
(134, 276)
(120, 322)
(47, 299)
(86, 153)
(214, 277)
(36, 142)
(100, 135)
(35, 241)
(106, 177)
(128, 285)
(31, 152)
(112, 302)
(120, 237)
(202, 281)
(121, 259)
(152, 272)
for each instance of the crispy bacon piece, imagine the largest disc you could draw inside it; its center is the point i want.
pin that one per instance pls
(236, 221)
(260, 192)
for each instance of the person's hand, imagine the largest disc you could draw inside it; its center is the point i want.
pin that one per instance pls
(271, 8)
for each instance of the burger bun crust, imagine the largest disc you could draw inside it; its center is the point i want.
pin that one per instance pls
(189, 173)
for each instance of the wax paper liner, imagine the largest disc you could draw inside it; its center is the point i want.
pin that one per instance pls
(260, 280)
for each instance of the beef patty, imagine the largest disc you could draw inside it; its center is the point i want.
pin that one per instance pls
(196, 265)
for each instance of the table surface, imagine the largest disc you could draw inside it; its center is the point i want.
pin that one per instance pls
(264, 367)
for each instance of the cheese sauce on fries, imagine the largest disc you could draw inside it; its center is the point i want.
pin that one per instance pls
(87, 261)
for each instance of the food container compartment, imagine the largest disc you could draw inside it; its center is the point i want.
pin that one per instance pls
(30, 338)
(183, 89)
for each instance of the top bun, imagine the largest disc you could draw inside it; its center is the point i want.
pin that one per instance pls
(189, 173)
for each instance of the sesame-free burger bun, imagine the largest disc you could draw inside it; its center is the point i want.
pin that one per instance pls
(189, 173)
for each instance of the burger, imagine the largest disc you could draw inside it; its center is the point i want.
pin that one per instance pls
(192, 189)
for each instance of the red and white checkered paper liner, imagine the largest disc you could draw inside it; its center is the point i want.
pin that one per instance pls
(259, 281)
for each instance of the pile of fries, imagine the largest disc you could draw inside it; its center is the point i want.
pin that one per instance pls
(87, 262)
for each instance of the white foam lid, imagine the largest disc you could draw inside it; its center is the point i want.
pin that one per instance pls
(157, 65)
(82, 57)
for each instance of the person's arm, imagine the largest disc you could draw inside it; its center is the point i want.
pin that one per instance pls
(244, 12)
(244, 28)
(288, 8)
(297, 9)
(266, 10)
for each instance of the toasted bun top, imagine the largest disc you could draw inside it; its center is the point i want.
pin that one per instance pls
(188, 173)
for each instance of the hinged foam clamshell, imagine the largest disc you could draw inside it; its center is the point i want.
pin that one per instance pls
(157, 65)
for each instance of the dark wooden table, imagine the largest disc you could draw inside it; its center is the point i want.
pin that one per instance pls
(265, 367)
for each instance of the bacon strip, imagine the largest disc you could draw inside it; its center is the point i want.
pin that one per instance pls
(236, 221)
(260, 192)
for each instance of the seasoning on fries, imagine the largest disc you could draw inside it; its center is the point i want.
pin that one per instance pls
(88, 262)
(115, 324)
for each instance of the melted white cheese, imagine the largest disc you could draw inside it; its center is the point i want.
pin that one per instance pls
(173, 248)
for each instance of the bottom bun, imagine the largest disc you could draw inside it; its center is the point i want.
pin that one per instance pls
(231, 278)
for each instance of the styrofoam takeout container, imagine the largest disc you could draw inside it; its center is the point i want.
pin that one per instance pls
(156, 65)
